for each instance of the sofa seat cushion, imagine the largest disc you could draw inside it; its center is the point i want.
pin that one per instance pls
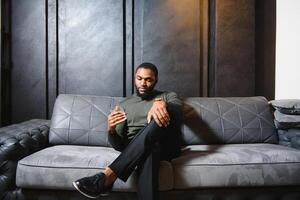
(235, 165)
(58, 166)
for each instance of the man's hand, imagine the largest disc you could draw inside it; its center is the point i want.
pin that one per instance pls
(159, 113)
(114, 118)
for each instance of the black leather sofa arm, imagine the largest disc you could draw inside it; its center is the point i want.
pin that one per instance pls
(20, 144)
(289, 137)
(16, 142)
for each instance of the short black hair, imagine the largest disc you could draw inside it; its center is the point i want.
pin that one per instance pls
(147, 65)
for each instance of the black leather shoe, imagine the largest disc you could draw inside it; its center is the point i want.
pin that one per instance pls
(92, 186)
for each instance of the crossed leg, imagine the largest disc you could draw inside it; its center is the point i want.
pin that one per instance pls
(142, 152)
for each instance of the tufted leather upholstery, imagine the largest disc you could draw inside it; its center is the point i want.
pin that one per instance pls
(228, 120)
(16, 142)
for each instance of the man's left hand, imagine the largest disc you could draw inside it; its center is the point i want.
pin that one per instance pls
(159, 113)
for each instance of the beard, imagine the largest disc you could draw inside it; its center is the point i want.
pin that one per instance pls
(146, 93)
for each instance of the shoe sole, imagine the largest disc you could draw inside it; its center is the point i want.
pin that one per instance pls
(86, 195)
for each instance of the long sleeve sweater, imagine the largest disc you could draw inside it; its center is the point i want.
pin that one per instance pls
(136, 110)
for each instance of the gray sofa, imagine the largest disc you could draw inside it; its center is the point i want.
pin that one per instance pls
(230, 151)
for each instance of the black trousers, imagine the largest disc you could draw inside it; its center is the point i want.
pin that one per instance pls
(144, 152)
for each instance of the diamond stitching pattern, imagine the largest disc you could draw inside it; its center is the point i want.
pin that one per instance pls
(83, 123)
(222, 120)
(242, 120)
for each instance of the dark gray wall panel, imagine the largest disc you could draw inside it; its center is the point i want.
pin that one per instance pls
(129, 47)
(1, 64)
(234, 59)
(52, 54)
(28, 84)
(91, 47)
(167, 33)
(5, 63)
(265, 44)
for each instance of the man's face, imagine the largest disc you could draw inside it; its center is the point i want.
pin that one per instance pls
(145, 81)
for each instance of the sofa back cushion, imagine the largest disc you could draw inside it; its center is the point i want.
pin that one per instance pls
(81, 119)
(228, 120)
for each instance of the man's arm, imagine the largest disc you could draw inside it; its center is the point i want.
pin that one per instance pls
(174, 103)
(174, 107)
(162, 108)
(116, 139)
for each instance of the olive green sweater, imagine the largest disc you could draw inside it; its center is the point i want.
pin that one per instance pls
(136, 110)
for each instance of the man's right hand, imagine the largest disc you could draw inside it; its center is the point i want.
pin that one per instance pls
(114, 118)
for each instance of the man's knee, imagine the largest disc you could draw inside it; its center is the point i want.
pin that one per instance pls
(154, 134)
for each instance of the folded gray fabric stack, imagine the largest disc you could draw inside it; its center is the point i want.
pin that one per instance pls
(287, 121)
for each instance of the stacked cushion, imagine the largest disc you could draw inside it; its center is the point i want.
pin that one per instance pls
(287, 120)
(287, 106)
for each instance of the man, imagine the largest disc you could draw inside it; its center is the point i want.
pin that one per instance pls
(145, 131)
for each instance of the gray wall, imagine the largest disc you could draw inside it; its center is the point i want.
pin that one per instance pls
(28, 71)
(233, 48)
(201, 47)
(265, 54)
(92, 47)
(172, 35)
(5, 62)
